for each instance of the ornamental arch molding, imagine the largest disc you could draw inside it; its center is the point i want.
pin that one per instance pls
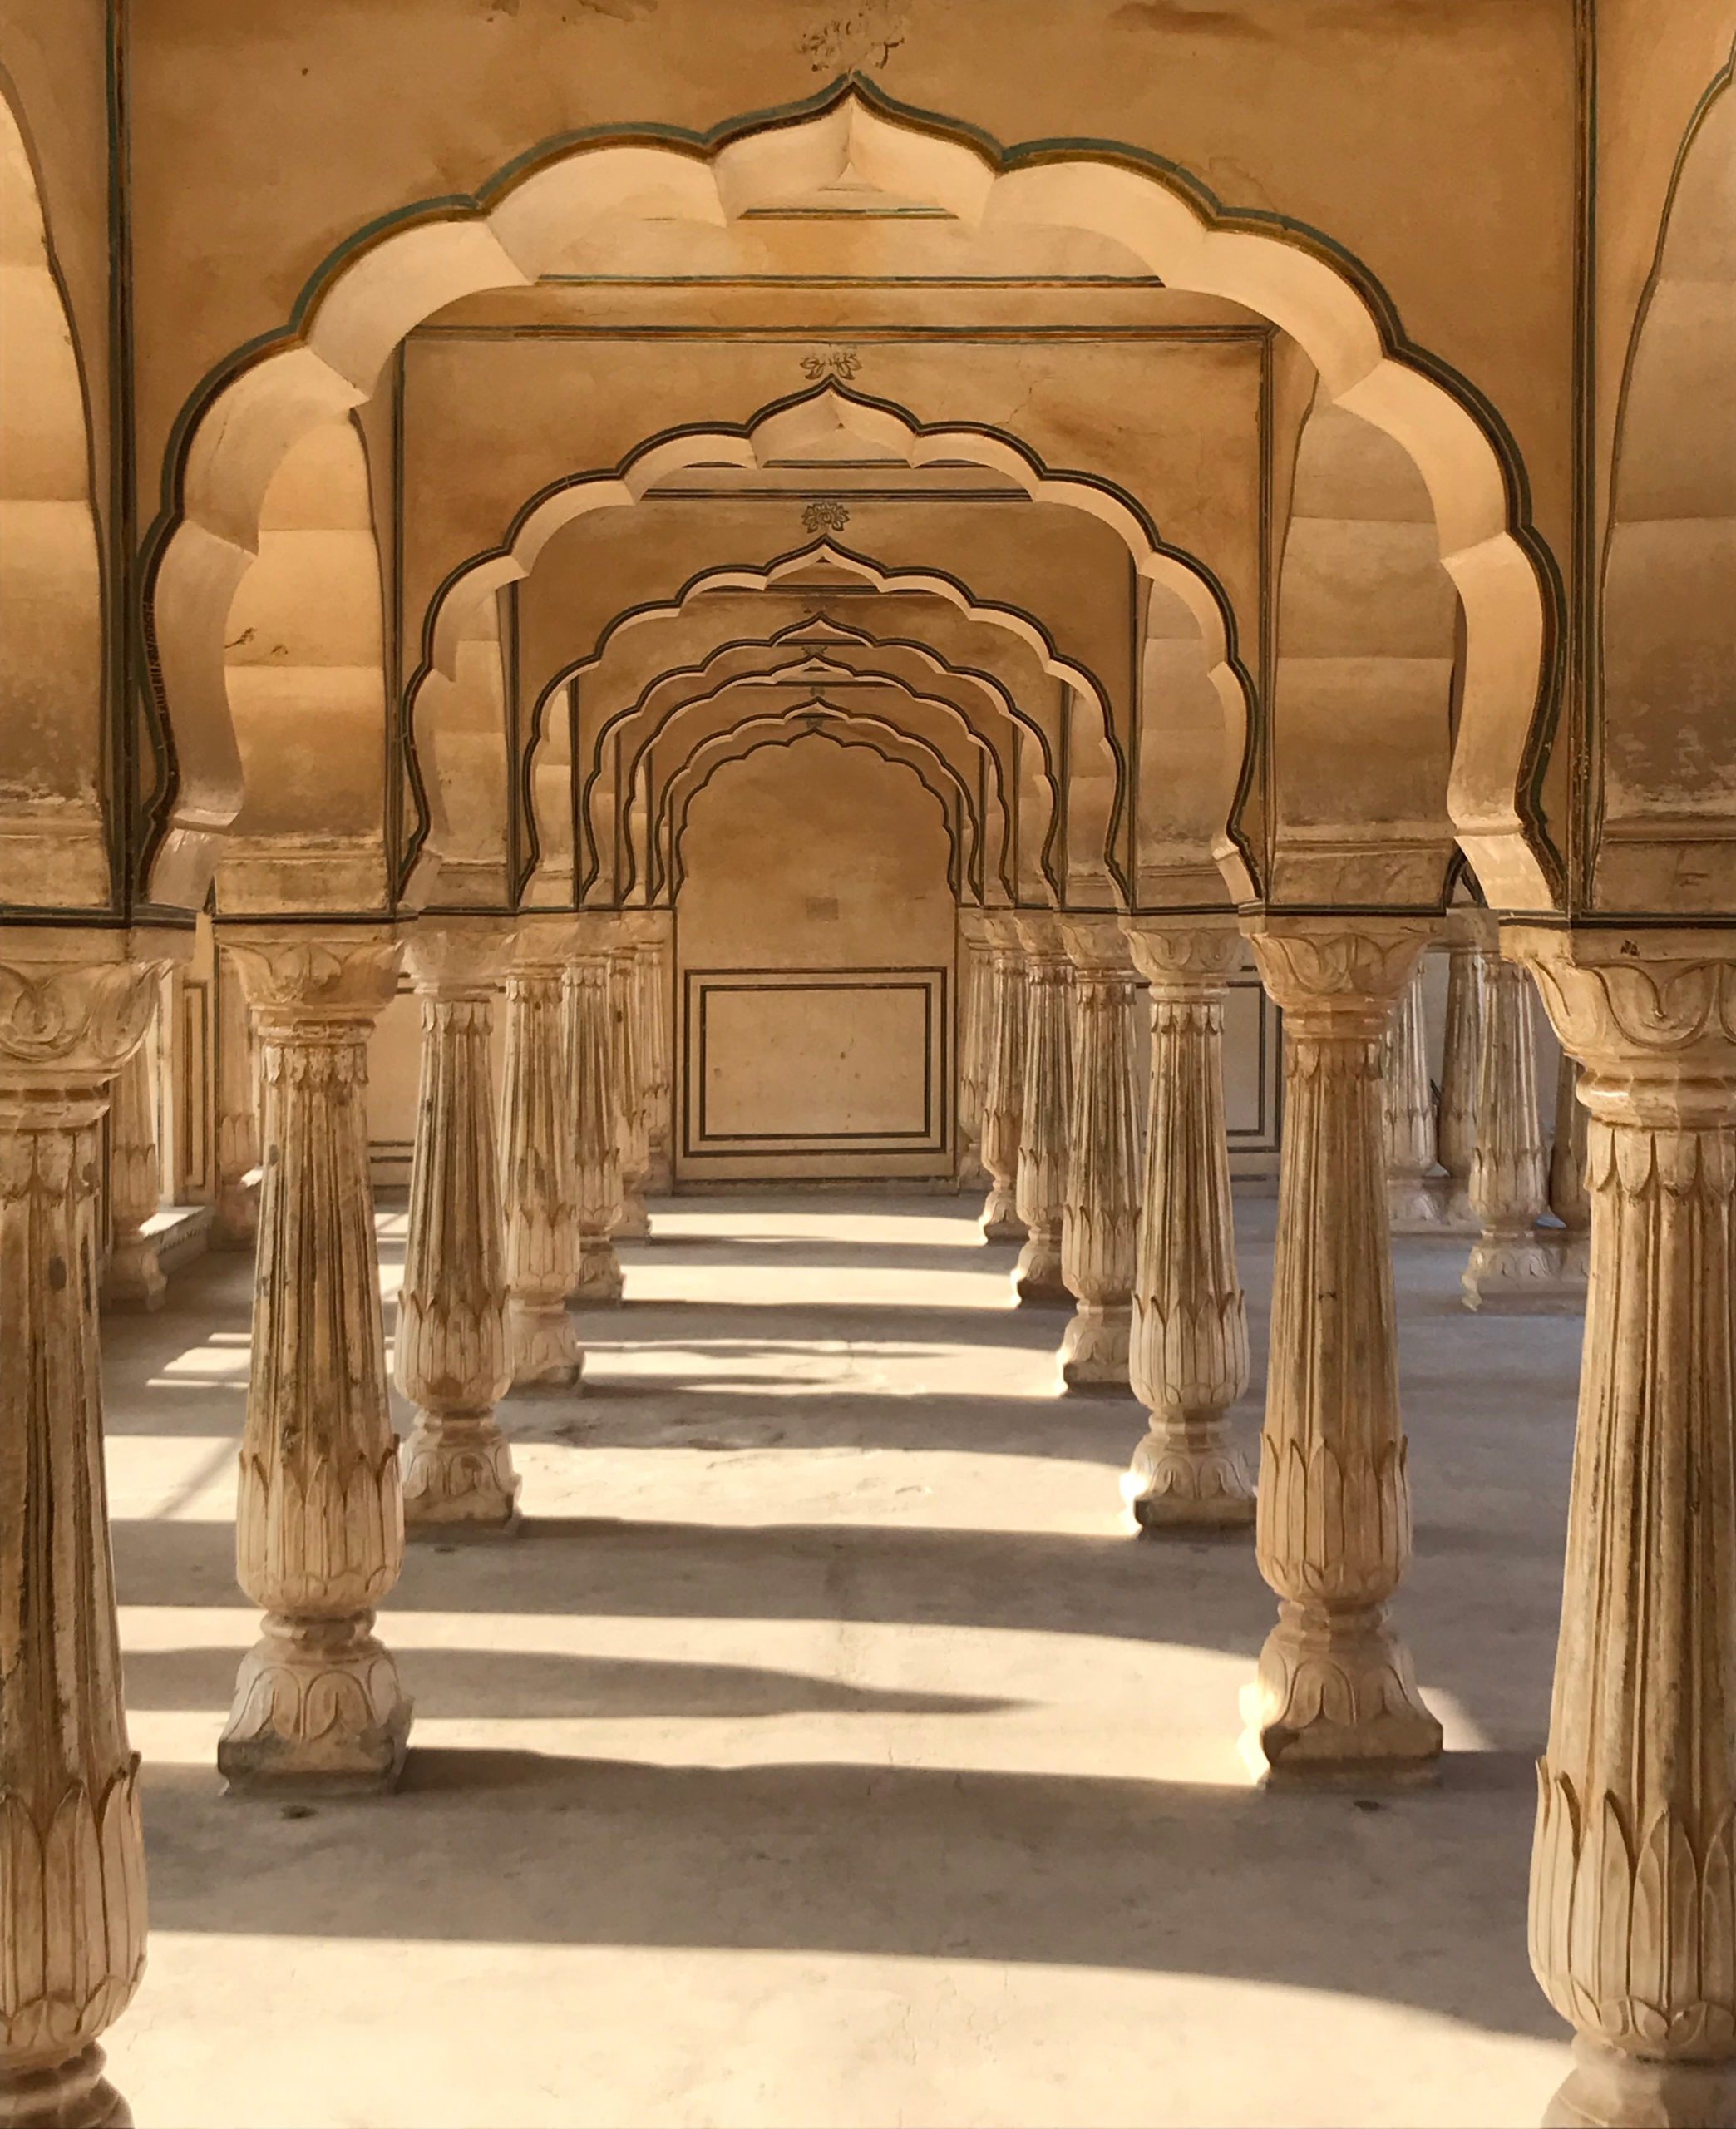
(331, 355)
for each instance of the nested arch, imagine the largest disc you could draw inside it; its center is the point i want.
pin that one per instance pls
(333, 348)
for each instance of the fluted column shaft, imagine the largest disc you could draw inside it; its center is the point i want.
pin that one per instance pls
(594, 1062)
(450, 1355)
(1512, 1270)
(1461, 1061)
(236, 1213)
(133, 1278)
(649, 965)
(1570, 1196)
(1189, 1358)
(539, 1188)
(1003, 1080)
(1100, 1214)
(1407, 1110)
(71, 1853)
(973, 963)
(1038, 1277)
(319, 1525)
(1334, 1697)
(632, 1223)
(1633, 1924)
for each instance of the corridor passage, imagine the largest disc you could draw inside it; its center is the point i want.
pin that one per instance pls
(820, 1751)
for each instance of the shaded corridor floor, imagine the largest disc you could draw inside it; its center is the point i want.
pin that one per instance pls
(823, 1752)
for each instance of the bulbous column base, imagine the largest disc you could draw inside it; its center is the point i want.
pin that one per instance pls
(1094, 1348)
(1036, 1276)
(458, 1474)
(1414, 1205)
(599, 1281)
(1334, 1704)
(545, 1351)
(1000, 1220)
(1519, 1275)
(1185, 1475)
(1452, 1201)
(318, 1706)
(73, 2095)
(634, 1224)
(1610, 2089)
(134, 1281)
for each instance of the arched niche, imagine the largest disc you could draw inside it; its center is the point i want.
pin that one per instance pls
(54, 854)
(1664, 838)
(347, 325)
(304, 670)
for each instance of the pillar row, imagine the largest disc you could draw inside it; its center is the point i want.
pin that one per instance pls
(1468, 952)
(1039, 1278)
(974, 965)
(1413, 1205)
(651, 973)
(538, 1184)
(1190, 1343)
(1336, 1699)
(595, 1055)
(1004, 1069)
(1633, 1901)
(319, 1526)
(1100, 1213)
(632, 1142)
(72, 1852)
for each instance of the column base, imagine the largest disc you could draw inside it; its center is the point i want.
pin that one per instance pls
(235, 1217)
(972, 1175)
(73, 2095)
(1519, 1275)
(1187, 1477)
(317, 1707)
(1037, 1280)
(458, 1474)
(999, 1221)
(634, 1224)
(660, 1176)
(1414, 1206)
(1094, 1348)
(599, 1281)
(1334, 1704)
(1609, 2089)
(546, 1353)
(134, 1280)
(1452, 1198)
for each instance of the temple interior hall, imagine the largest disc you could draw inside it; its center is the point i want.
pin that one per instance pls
(867, 1064)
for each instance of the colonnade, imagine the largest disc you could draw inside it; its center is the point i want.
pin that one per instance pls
(1634, 1923)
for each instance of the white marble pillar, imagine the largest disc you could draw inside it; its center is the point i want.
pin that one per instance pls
(1334, 1700)
(1570, 1197)
(633, 1223)
(651, 961)
(450, 1355)
(1003, 1079)
(538, 1187)
(1100, 1213)
(1467, 951)
(974, 963)
(1413, 1206)
(1190, 1344)
(1512, 1270)
(236, 1213)
(71, 1853)
(594, 1061)
(133, 1277)
(319, 1526)
(1037, 1278)
(1633, 1928)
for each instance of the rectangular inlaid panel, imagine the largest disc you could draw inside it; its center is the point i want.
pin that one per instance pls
(801, 1062)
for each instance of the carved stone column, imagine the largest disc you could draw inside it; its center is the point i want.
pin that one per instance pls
(1335, 1699)
(627, 1050)
(72, 1855)
(973, 964)
(1407, 1107)
(235, 1214)
(1003, 1079)
(1101, 1211)
(1633, 1886)
(594, 1061)
(1467, 951)
(1570, 1199)
(450, 1355)
(319, 1527)
(650, 965)
(133, 1278)
(1512, 1270)
(1190, 1346)
(539, 1187)
(1038, 1277)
